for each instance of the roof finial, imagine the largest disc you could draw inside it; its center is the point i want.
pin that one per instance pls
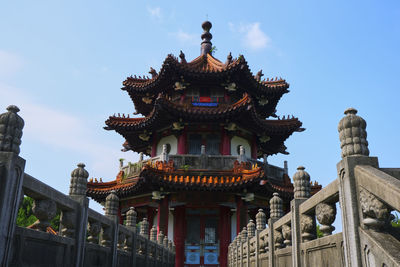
(206, 44)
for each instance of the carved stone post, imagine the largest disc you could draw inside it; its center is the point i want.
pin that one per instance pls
(302, 188)
(130, 243)
(131, 216)
(74, 223)
(153, 233)
(326, 214)
(274, 237)
(261, 221)
(110, 234)
(11, 178)
(144, 228)
(354, 145)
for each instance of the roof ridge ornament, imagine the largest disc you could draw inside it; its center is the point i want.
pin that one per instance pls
(206, 44)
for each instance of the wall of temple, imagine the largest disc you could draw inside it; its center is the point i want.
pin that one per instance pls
(172, 141)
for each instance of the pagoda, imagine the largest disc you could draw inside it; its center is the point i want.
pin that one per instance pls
(204, 125)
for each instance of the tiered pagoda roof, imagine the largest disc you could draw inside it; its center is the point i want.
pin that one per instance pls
(153, 176)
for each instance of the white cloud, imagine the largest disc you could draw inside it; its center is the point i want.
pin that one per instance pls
(155, 12)
(185, 37)
(58, 129)
(252, 35)
(10, 63)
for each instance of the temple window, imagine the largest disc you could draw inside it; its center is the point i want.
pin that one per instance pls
(212, 144)
(194, 144)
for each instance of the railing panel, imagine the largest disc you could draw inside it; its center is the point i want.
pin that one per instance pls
(328, 194)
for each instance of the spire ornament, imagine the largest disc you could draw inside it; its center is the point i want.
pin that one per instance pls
(206, 44)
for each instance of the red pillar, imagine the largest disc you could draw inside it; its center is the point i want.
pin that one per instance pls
(225, 234)
(241, 214)
(182, 140)
(254, 148)
(121, 220)
(179, 235)
(226, 143)
(162, 216)
(154, 146)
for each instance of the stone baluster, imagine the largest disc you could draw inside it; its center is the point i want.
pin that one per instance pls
(153, 233)
(140, 156)
(287, 235)
(112, 205)
(242, 155)
(93, 230)
(307, 227)
(131, 217)
(144, 228)
(326, 214)
(121, 240)
(170, 245)
(261, 220)
(45, 210)
(109, 233)
(276, 212)
(165, 242)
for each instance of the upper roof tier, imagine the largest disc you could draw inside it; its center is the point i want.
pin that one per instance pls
(234, 76)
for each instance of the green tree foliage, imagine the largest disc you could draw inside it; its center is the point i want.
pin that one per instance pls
(319, 233)
(396, 220)
(26, 218)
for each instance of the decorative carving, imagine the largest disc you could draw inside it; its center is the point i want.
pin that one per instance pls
(170, 245)
(259, 75)
(287, 235)
(261, 220)
(229, 59)
(326, 214)
(306, 226)
(276, 206)
(182, 57)
(160, 238)
(93, 229)
(44, 210)
(278, 239)
(251, 229)
(78, 182)
(302, 185)
(353, 134)
(112, 204)
(376, 213)
(68, 221)
(128, 243)
(153, 72)
(11, 125)
(165, 242)
(144, 228)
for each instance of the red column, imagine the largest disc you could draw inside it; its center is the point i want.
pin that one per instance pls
(182, 140)
(154, 146)
(241, 214)
(162, 216)
(226, 143)
(225, 234)
(179, 235)
(254, 148)
(121, 220)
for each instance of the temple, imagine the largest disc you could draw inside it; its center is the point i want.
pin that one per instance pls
(204, 126)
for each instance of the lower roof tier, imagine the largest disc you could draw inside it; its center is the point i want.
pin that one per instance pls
(157, 176)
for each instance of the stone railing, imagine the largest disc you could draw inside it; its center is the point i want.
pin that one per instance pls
(85, 237)
(366, 195)
(202, 161)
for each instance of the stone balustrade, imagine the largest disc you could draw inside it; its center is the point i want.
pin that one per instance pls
(85, 237)
(366, 195)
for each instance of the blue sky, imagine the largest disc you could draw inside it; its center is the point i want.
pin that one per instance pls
(62, 63)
